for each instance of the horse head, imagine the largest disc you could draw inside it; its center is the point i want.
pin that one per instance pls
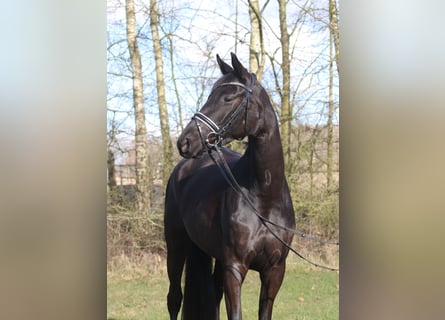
(232, 111)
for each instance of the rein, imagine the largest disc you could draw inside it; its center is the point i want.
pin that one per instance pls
(228, 176)
(216, 133)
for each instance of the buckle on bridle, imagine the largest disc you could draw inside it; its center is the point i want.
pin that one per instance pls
(216, 137)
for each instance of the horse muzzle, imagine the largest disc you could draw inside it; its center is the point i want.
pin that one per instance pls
(189, 146)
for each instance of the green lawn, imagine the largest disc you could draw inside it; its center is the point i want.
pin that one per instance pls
(306, 294)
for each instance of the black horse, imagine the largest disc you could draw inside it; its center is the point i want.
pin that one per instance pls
(205, 217)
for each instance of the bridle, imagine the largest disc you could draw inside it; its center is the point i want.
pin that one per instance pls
(215, 136)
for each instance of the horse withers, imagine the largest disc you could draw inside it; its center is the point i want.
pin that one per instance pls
(211, 227)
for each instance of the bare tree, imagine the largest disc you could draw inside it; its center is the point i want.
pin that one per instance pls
(256, 47)
(143, 185)
(333, 56)
(286, 108)
(172, 66)
(111, 170)
(333, 26)
(167, 149)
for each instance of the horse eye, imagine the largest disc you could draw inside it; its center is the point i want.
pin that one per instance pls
(228, 98)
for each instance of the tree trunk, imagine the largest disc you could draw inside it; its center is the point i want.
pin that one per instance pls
(333, 56)
(236, 27)
(286, 109)
(333, 27)
(178, 99)
(111, 171)
(330, 127)
(167, 149)
(256, 52)
(143, 185)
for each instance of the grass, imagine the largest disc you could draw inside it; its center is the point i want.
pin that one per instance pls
(308, 293)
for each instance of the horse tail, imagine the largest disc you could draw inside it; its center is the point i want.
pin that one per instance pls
(199, 291)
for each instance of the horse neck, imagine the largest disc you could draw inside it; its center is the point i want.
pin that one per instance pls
(265, 154)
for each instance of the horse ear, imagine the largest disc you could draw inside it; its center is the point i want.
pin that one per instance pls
(240, 71)
(225, 68)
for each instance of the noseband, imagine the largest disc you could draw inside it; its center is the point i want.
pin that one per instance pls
(215, 136)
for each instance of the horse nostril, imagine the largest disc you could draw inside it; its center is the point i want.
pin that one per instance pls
(183, 145)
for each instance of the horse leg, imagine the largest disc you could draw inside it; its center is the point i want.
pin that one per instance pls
(175, 265)
(233, 279)
(176, 254)
(271, 280)
(218, 280)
